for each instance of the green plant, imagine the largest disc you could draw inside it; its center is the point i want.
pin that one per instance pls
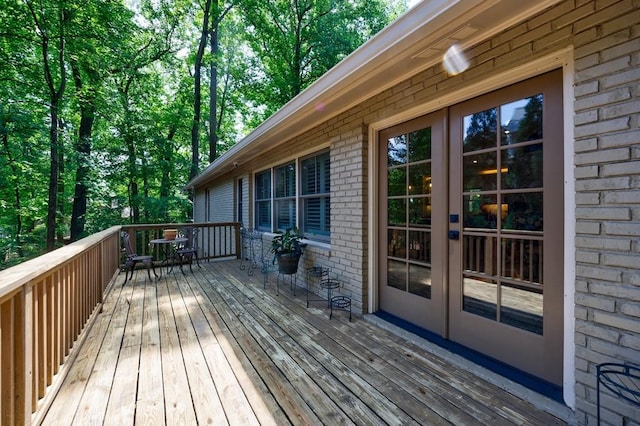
(287, 242)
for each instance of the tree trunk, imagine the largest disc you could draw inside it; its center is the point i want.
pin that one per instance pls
(213, 89)
(165, 181)
(55, 97)
(197, 79)
(53, 177)
(60, 188)
(16, 181)
(83, 151)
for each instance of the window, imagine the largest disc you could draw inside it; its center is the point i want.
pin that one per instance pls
(263, 200)
(285, 197)
(315, 196)
(240, 197)
(308, 208)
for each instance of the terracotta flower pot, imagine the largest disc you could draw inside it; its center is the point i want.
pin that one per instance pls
(170, 234)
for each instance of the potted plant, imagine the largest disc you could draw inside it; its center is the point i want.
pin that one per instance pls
(287, 249)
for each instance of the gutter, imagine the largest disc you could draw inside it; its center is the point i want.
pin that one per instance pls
(412, 43)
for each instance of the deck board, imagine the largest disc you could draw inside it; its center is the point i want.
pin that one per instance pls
(213, 347)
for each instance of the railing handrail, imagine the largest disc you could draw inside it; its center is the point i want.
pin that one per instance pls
(11, 279)
(176, 225)
(47, 304)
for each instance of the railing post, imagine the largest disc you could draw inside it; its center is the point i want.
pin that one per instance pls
(25, 401)
(238, 242)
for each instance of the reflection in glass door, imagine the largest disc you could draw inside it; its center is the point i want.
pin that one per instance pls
(503, 213)
(506, 268)
(411, 175)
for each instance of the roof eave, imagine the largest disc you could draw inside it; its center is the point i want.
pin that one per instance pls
(415, 41)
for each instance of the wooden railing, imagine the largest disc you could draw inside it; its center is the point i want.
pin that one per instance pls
(48, 304)
(45, 304)
(215, 240)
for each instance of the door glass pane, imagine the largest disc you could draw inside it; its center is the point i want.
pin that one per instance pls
(420, 145)
(480, 172)
(522, 307)
(420, 179)
(480, 130)
(409, 205)
(397, 274)
(397, 181)
(420, 211)
(480, 254)
(522, 259)
(420, 246)
(522, 167)
(420, 281)
(397, 243)
(480, 211)
(397, 210)
(523, 211)
(521, 120)
(480, 297)
(397, 150)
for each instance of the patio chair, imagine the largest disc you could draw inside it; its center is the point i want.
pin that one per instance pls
(133, 258)
(190, 249)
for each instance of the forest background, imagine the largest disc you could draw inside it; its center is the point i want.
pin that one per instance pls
(109, 107)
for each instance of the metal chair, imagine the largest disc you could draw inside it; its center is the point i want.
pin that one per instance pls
(133, 258)
(190, 249)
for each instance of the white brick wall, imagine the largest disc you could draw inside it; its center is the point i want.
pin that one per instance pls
(607, 85)
(605, 37)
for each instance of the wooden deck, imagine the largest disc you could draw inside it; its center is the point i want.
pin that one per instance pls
(213, 347)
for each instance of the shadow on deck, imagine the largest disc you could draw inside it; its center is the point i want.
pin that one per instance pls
(214, 347)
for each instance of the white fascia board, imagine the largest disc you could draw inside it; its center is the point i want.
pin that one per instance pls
(396, 53)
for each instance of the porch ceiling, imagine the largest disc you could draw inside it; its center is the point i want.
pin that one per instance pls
(414, 42)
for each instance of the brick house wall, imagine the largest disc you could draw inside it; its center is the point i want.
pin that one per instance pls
(603, 37)
(607, 161)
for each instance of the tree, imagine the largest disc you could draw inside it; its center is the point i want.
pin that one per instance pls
(297, 41)
(49, 24)
(120, 143)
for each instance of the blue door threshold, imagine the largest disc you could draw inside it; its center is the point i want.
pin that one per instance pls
(533, 383)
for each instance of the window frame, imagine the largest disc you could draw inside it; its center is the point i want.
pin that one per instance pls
(292, 195)
(322, 192)
(267, 202)
(285, 191)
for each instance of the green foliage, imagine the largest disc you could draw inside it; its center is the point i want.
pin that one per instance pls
(287, 242)
(124, 118)
(298, 41)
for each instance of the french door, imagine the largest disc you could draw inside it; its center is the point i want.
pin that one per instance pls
(474, 232)
(412, 221)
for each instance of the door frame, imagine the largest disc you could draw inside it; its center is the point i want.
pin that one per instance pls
(560, 59)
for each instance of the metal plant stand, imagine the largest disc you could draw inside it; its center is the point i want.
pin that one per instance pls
(250, 244)
(620, 379)
(315, 273)
(342, 303)
(329, 284)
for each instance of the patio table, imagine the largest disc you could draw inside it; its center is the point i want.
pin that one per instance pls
(168, 249)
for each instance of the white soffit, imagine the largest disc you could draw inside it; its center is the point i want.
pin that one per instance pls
(414, 42)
